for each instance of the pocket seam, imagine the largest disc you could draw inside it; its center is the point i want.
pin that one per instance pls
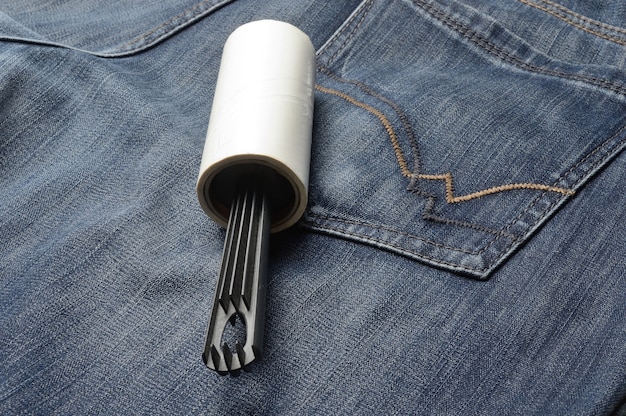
(170, 26)
(568, 16)
(353, 221)
(486, 45)
(361, 10)
(401, 249)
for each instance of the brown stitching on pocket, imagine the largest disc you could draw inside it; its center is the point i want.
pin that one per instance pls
(446, 177)
(429, 216)
(404, 168)
(406, 124)
(607, 144)
(568, 16)
(451, 199)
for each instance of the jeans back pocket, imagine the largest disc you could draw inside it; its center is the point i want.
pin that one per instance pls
(443, 135)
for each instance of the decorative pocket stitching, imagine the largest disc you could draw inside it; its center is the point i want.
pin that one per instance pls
(575, 177)
(609, 147)
(447, 177)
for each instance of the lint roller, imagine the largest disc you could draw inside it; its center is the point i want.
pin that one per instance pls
(254, 172)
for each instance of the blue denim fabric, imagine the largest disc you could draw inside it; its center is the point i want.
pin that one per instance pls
(463, 251)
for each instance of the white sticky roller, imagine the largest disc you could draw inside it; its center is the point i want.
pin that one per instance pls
(261, 121)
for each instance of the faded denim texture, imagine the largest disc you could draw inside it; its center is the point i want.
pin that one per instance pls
(463, 250)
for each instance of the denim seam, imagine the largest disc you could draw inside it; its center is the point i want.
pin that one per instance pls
(402, 249)
(400, 159)
(368, 7)
(448, 178)
(505, 56)
(144, 36)
(141, 42)
(406, 234)
(579, 21)
(333, 38)
(549, 209)
(428, 215)
(363, 10)
(451, 199)
(171, 25)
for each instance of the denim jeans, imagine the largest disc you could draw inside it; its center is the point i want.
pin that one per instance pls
(462, 252)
